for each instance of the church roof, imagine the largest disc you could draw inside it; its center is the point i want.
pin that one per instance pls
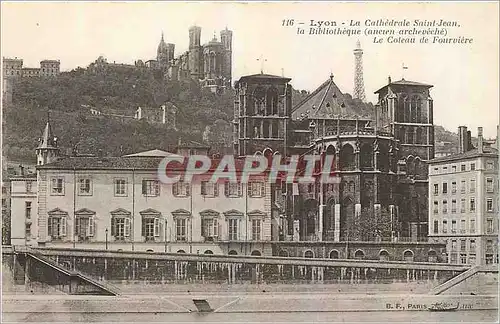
(405, 83)
(328, 101)
(151, 153)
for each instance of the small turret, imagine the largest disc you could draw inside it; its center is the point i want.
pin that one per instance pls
(47, 150)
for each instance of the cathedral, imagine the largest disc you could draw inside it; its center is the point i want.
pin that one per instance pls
(379, 152)
(210, 63)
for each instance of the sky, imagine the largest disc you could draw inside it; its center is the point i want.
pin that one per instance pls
(465, 76)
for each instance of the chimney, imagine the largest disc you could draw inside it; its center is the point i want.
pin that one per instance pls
(462, 139)
(480, 139)
(21, 170)
(389, 79)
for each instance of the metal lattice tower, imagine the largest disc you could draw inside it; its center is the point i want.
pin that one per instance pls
(359, 84)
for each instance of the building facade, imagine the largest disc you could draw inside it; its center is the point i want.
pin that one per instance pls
(463, 200)
(380, 155)
(50, 68)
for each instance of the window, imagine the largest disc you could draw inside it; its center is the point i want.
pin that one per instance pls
(462, 226)
(489, 226)
(454, 168)
(462, 167)
(84, 227)
(490, 165)
(462, 205)
(436, 207)
(436, 227)
(436, 189)
(472, 166)
(57, 186)
(472, 204)
(489, 246)
(453, 245)
(180, 229)
(453, 226)
(84, 187)
(29, 186)
(27, 209)
(472, 188)
(209, 189)
(454, 187)
(472, 259)
(233, 229)
(489, 185)
(445, 206)
(150, 188)
(436, 170)
(120, 228)
(209, 228)
(232, 189)
(27, 230)
(120, 187)
(181, 189)
(462, 186)
(472, 246)
(256, 189)
(150, 228)
(256, 229)
(453, 206)
(445, 226)
(462, 245)
(472, 225)
(489, 204)
(445, 169)
(56, 227)
(463, 258)
(445, 187)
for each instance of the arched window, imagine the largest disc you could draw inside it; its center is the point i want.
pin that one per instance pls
(408, 256)
(383, 255)
(272, 101)
(414, 101)
(359, 254)
(266, 125)
(208, 252)
(181, 251)
(149, 251)
(347, 161)
(309, 254)
(233, 252)
(259, 100)
(255, 253)
(283, 253)
(418, 136)
(383, 162)
(366, 157)
(334, 254)
(410, 165)
(419, 110)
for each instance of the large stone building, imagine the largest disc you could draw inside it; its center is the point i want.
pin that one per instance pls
(210, 63)
(463, 200)
(380, 156)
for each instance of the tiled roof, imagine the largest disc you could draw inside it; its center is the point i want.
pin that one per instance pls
(327, 101)
(261, 76)
(487, 151)
(406, 83)
(151, 153)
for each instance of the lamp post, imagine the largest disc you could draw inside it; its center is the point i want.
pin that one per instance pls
(106, 238)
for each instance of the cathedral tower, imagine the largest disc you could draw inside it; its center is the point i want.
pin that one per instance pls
(226, 37)
(195, 52)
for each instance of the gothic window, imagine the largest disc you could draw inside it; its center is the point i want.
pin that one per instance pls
(402, 115)
(409, 136)
(366, 157)
(418, 136)
(415, 100)
(311, 222)
(383, 158)
(259, 101)
(266, 128)
(275, 132)
(419, 110)
(272, 101)
(347, 161)
(410, 168)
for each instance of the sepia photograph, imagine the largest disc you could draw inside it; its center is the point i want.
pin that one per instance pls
(250, 162)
